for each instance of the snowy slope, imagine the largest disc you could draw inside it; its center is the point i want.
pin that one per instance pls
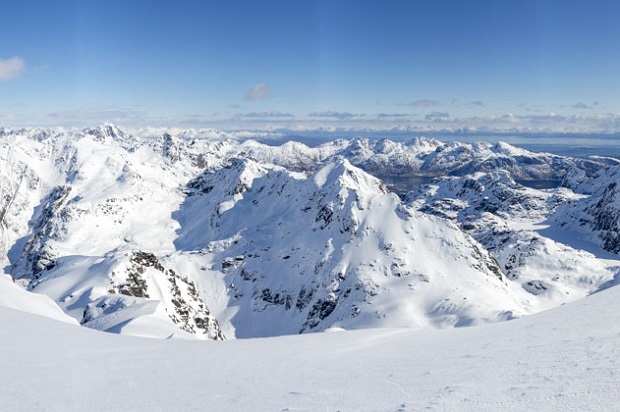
(14, 297)
(563, 359)
(333, 250)
(513, 223)
(197, 233)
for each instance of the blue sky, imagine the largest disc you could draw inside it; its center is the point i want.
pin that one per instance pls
(303, 65)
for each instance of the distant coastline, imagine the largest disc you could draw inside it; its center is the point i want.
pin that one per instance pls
(574, 145)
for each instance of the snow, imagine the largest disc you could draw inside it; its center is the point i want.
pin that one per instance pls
(182, 235)
(563, 359)
(233, 245)
(15, 297)
(518, 226)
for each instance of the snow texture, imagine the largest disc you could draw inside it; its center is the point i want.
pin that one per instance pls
(563, 359)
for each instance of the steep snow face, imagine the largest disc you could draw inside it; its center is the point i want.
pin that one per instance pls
(511, 222)
(26, 175)
(595, 216)
(333, 250)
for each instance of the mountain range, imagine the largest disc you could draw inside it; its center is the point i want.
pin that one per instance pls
(201, 234)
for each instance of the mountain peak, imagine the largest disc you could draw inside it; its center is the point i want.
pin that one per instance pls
(341, 173)
(107, 132)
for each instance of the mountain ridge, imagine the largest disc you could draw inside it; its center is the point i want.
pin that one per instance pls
(202, 235)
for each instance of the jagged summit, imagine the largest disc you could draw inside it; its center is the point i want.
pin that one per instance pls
(341, 174)
(108, 133)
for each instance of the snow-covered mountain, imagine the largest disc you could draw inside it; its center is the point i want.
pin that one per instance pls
(596, 216)
(201, 234)
(334, 249)
(514, 224)
(429, 157)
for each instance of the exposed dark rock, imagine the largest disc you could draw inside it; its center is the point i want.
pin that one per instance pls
(188, 310)
(38, 257)
(319, 311)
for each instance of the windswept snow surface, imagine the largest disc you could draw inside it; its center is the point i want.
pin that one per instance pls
(565, 359)
(15, 297)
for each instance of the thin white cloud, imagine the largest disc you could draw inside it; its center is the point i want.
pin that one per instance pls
(265, 115)
(433, 122)
(335, 115)
(580, 105)
(11, 68)
(257, 92)
(97, 115)
(422, 103)
(437, 115)
(392, 115)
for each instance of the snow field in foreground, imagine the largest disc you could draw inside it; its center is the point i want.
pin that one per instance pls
(562, 359)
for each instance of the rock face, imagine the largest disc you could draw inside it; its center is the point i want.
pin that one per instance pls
(37, 257)
(182, 302)
(596, 216)
(605, 218)
(191, 235)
